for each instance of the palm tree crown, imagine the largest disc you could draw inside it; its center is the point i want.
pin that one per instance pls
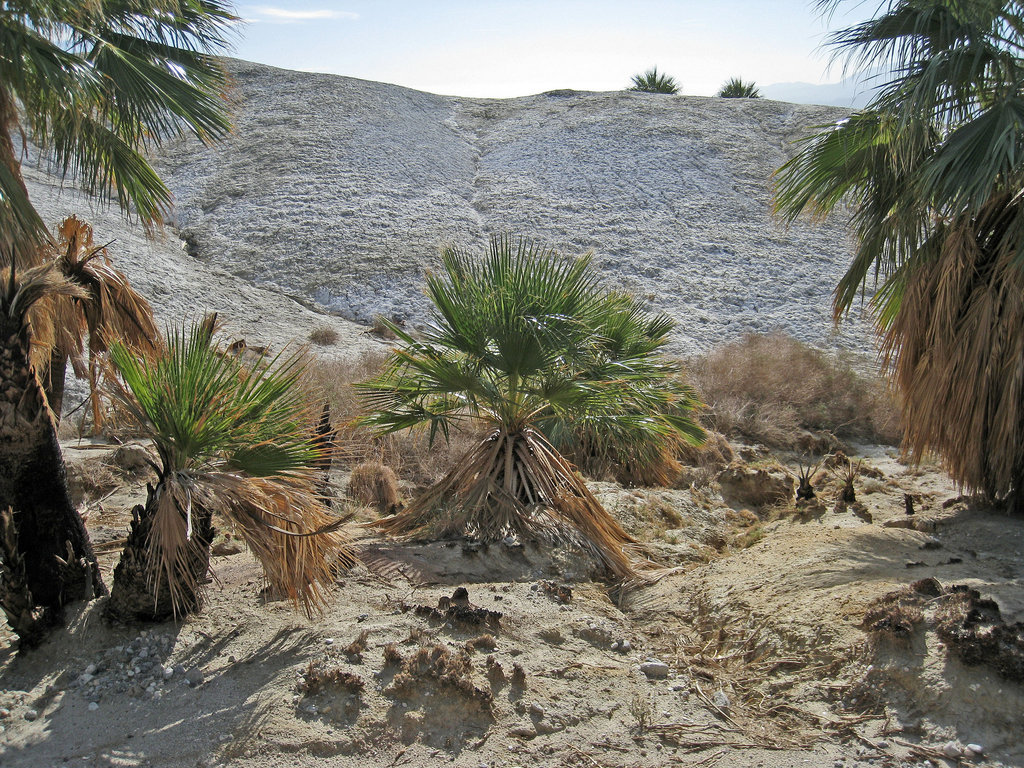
(735, 88)
(653, 81)
(96, 84)
(932, 174)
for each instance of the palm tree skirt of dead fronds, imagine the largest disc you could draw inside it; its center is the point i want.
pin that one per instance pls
(516, 484)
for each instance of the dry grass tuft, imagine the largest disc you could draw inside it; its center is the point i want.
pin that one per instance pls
(323, 336)
(439, 666)
(486, 642)
(773, 389)
(354, 650)
(375, 485)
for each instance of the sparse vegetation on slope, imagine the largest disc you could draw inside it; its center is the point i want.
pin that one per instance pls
(653, 81)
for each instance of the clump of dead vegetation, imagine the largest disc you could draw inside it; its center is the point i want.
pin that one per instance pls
(437, 665)
(319, 678)
(780, 392)
(375, 485)
(323, 336)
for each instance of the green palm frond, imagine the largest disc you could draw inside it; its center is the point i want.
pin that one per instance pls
(96, 85)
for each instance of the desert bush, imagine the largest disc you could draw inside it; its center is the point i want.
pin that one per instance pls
(323, 336)
(409, 454)
(773, 388)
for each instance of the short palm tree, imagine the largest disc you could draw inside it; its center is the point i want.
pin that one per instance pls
(527, 346)
(933, 176)
(735, 88)
(653, 81)
(233, 439)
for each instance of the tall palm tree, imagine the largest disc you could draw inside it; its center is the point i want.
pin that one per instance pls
(932, 174)
(735, 88)
(234, 439)
(528, 346)
(47, 560)
(653, 81)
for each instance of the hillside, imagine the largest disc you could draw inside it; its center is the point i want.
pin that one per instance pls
(340, 192)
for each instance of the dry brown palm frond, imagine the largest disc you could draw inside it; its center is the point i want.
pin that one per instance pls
(290, 531)
(516, 485)
(31, 296)
(957, 350)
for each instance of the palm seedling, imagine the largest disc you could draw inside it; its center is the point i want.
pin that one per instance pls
(653, 81)
(233, 439)
(735, 88)
(522, 346)
(805, 478)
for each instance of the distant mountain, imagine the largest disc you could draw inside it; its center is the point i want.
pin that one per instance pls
(851, 93)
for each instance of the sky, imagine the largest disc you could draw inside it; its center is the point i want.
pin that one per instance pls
(505, 48)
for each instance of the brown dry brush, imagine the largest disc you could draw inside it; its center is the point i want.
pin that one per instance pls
(516, 484)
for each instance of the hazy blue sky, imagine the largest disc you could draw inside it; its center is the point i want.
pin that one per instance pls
(498, 48)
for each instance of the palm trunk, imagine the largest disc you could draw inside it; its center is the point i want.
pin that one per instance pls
(53, 386)
(48, 534)
(139, 596)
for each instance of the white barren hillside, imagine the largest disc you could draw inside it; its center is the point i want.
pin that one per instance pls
(340, 193)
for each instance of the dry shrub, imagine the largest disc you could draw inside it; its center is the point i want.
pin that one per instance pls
(773, 388)
(354, 650)
(319, 678)
(323, 336)
(409, 453)
(439, 666)
(374, 485)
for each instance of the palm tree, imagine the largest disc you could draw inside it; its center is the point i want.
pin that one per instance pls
(233, 439)
(932, 174)
(47, 560)
(735, 88)
(653, 81)
(92, 86)
(529, 348)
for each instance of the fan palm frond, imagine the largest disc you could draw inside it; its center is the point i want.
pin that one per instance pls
(653, 81)
(736, 88)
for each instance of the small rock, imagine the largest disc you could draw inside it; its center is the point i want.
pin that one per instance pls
(977, 749)
(194, 676)
(882, 744)
(721, 701)
(655, 669)
(329, 641)
(91, 669)
(362, 617)
(615, 645)
(537, 709)
(31, 714)
(952, 750)
(93, 706)
(168, 673)
(626, 646)
(5, 712)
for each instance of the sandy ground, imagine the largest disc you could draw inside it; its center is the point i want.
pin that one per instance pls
(760, 636)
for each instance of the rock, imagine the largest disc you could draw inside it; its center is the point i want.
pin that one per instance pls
(756, 487)
(720, 700)
(31, 714)
(952, 750)
(91, 669)
(168, 673)
(537, 709)
(131, 458)
(5, 712)
(615, 645)
(224, 547)
(655, 669)
(93, 706)
(194, 677)
(625, 646)
(976, 749)
(329, 641)
(362, 617)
